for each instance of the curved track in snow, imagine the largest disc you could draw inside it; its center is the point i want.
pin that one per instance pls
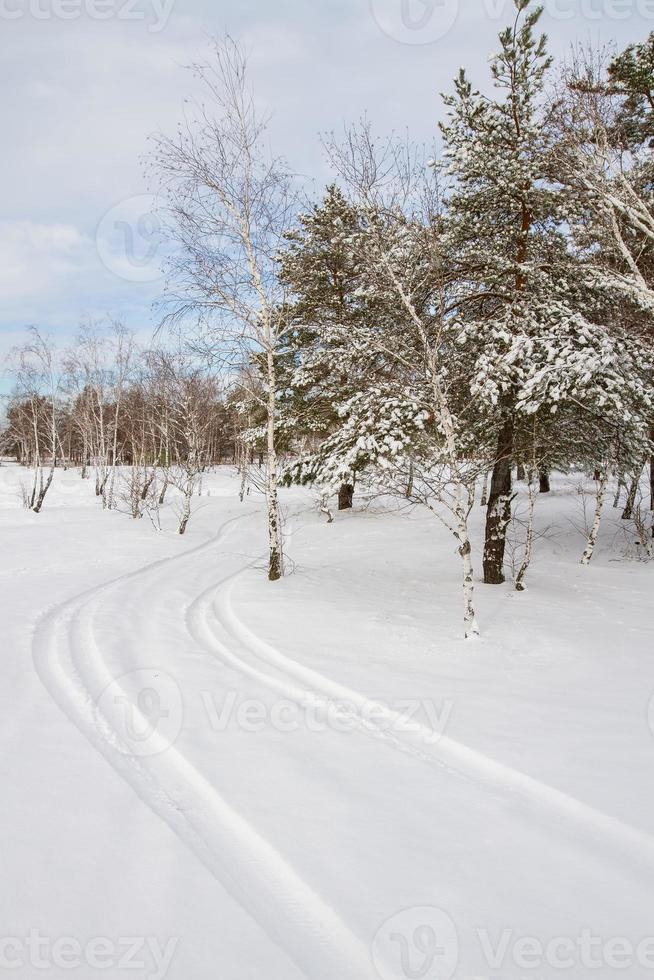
(214, 623)
(68, 658)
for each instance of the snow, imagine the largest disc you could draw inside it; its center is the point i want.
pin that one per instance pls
(335, 784)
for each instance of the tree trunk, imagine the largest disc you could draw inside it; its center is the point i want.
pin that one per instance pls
(346, 497)
(43, 491)
(498, 513)
(325, 509)
(484, 491)
(186, 513)
(594, 531)
(146, 486)
(469, 619)
(628, 511)
(545, 481)
(410, 481)
(529, 542)
(461, 511)
(520, 474)
(275, 561)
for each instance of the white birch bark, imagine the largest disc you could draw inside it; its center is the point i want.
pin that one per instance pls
(532, 476)
(597, 520)
(276, 561)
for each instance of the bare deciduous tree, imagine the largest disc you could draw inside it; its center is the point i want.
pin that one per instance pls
(230, 204)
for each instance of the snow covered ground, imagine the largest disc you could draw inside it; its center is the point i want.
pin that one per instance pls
(206, 777)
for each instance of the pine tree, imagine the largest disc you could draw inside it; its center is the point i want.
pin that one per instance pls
(502, 221)
(604, 157)
(321, 366)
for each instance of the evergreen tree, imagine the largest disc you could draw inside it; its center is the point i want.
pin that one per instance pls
(323, 369)
(503, 229)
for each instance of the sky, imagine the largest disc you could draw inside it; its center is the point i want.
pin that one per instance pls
(85, 82)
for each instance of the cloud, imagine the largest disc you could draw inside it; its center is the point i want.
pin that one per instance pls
(35, 257)
(81, 97)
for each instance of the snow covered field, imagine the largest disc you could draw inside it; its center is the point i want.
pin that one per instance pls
(208, 777)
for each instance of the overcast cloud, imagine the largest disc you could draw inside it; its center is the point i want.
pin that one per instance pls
(85, 81)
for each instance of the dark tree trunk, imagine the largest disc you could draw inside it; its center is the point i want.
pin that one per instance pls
(498, 513)
(346, 497)
(628, 511)
(274, 565)
(545, 481)
(409, 486)
(521, 475)
(146, 487)
(38, 503)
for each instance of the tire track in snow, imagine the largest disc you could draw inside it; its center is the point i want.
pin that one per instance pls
(68, 660)
(412, 737)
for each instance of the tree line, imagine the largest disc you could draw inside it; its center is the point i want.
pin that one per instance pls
(440, 321)
(136, 422)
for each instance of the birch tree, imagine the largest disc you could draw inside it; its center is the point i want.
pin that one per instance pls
(38, 384)
(230, 204)
(414, 407)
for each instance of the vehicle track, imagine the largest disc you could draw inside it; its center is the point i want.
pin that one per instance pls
(307, 687)
(68, 659)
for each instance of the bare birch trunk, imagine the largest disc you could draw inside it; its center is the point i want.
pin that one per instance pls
(186, 511)
(325, 509)
(484, 491)
(529, 542)
(275, 562)
(114, 453)
(594, 531)
(44, 487)
(461, 511)
(469, 619)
